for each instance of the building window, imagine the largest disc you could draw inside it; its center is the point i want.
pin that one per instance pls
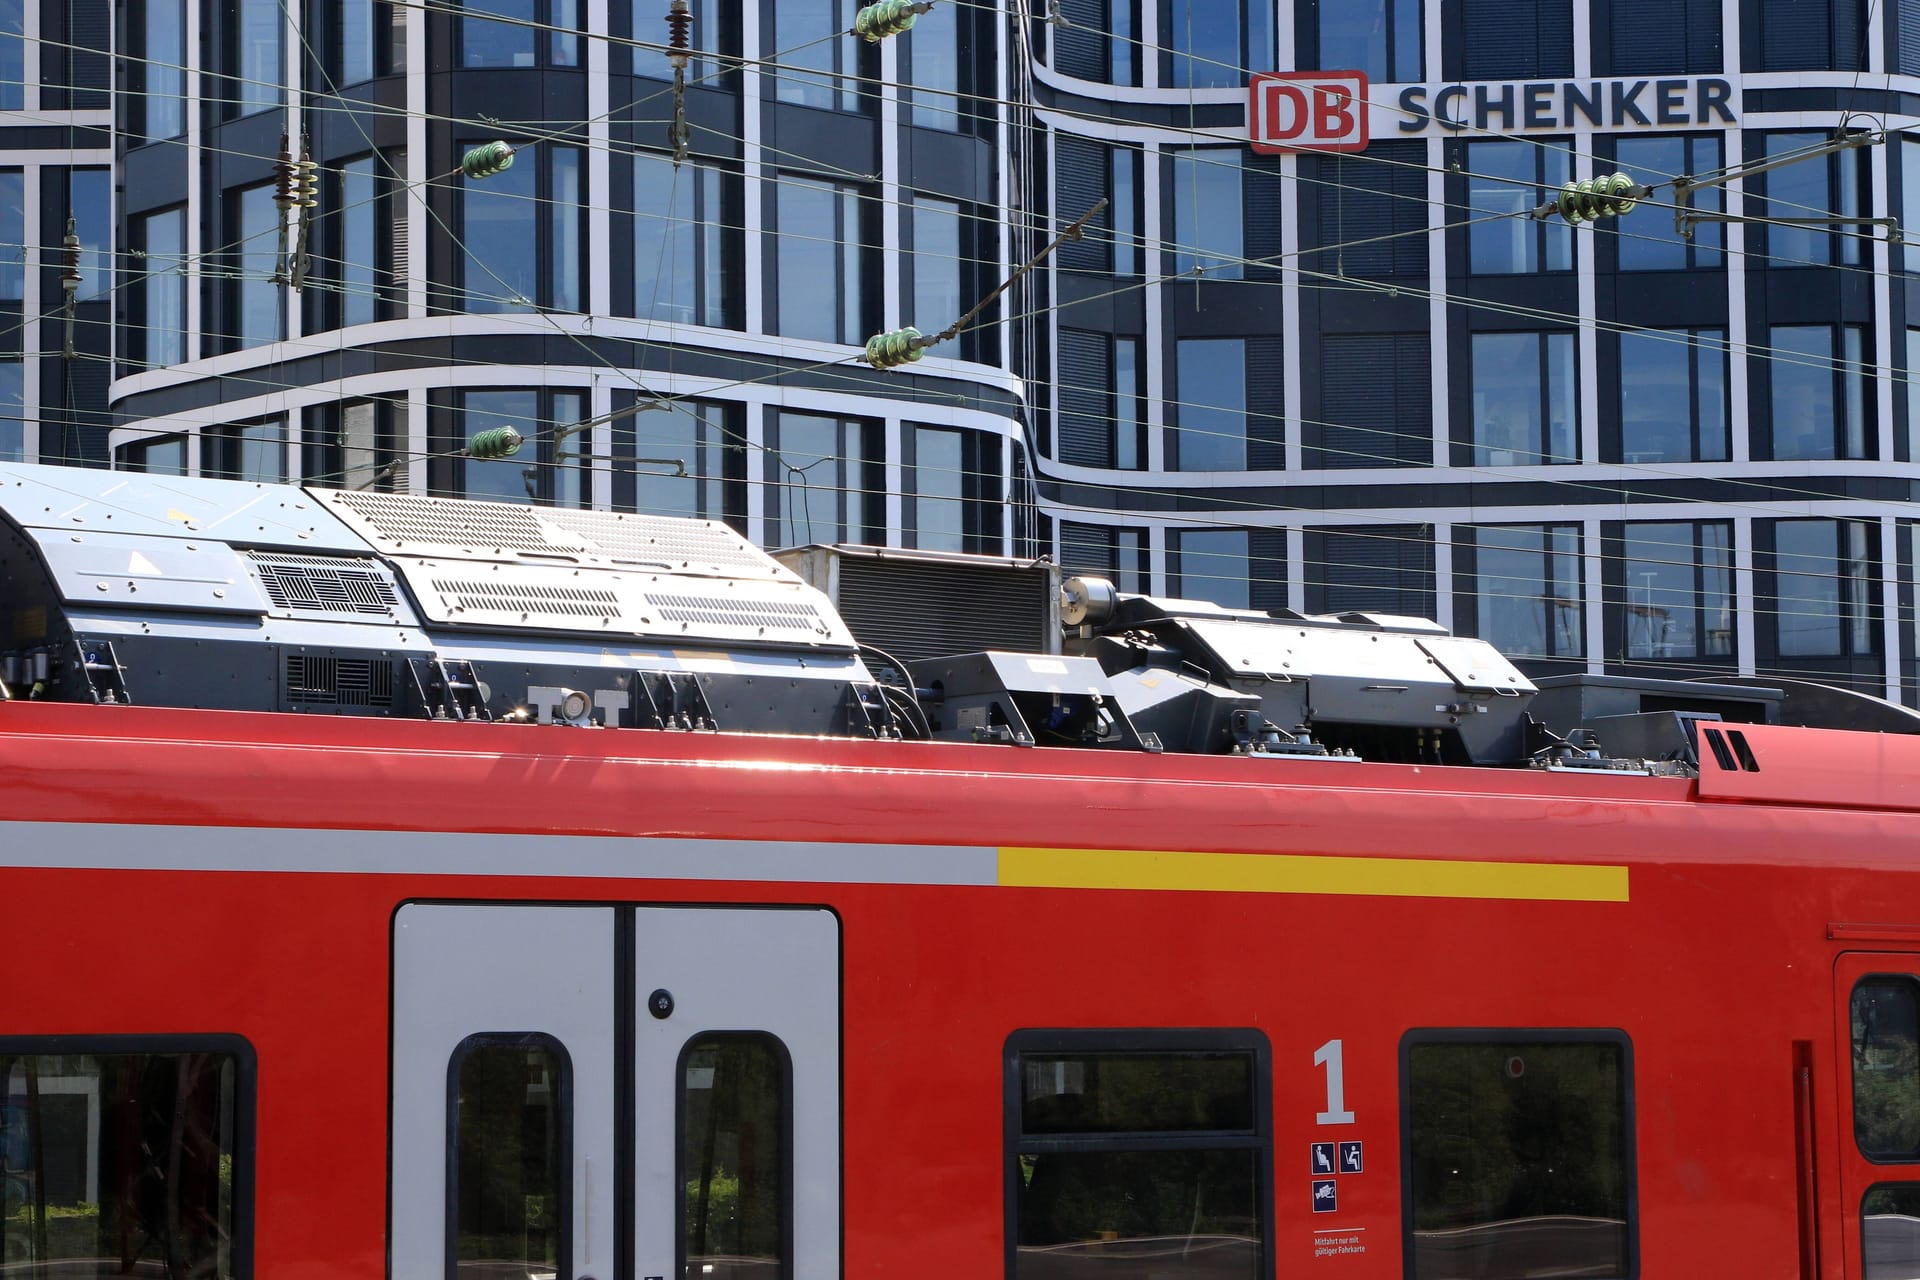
(935, 263)
(1371, 211)
(1913, 394)
(1525, 592)
(510, 1181)
(1500, 40)
(253, 299)
(1903, 56)
(1825, 584)
(1234, 568)
(158, 77)
(936, 56)
(1376, 402)
(820, 63)
(686, 242)
(1673, 395)
(1384, 568)
(1085, 173)
(1214, 44)
(687, 461)
(345, 37)
(1118, 555)
(75, 44)
(1821, 187)
(1910, 182)
(552, 466)
(349, 446)
(1379, 37)
(13, 55)
(822, 261)
(953, 502)
(1207, 234)
(520, 33)
(1128, 1142)
(159, 456)
(1508, 178)
(13, 235)
(1101, 42)
(1660, 38)
(1525, 399)
(1211, 412)
(161, 337)
(504, 267)
(1819, 398)
(131, 1150)
(255, 451)
(1675, 596)
(716, 29)
(1884, 1014)
(1101, 419)
(1814, 35)
(735, 1126)
(1518, 1136)
(90, 205)
(1654, 244)
(13, 412)
(255, 56)
(356, 250)
(826, 480)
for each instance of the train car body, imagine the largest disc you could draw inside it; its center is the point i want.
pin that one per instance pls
(305, 997)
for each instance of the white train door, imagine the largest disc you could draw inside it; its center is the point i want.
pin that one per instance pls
(615, 1093)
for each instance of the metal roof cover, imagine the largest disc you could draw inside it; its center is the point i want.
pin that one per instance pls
(78, 500)
(500, 565)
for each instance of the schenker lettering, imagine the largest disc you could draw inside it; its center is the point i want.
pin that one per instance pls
(1565, 104)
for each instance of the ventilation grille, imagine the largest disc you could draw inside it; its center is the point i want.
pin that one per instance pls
(325, 584)
(720, 611)
(461, 528)
(526, 601)
(934, 609)
(316, 680)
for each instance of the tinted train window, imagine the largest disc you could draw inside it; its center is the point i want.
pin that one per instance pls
(511, 1187)
(1886, 1068)
(1890, 1231)
(1136, 1154)
(733, 1159)
(140, 1157)
(1519, 1154)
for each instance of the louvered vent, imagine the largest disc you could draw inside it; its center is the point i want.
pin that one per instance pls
(931, 608)
(325, 584)
(522, 601)
(324, 680)
(721, 611)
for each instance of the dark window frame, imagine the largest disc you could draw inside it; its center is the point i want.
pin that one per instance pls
(1853, 1096)
(784, 1270)
(1697, 256)
(1472, 613)
(1616, 595)
(1039, 1040)
(729, 219)
(980, 490)
(245, 1099)
(563, 1106)
(1699, 348)
(1629, 1151)
(1857, 599)
(870, 483)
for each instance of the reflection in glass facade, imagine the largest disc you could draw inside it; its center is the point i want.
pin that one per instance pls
(1819, 400)
(1677, 595)
(1824, 586)
(1654, 243)
(163, 288)
(1525, 399)
(1527, 590)
(1206, 214)
(821, 262)
(1673, 396)
(1212, 409)
(1379, 37)
(1504, 181)
(681, 267)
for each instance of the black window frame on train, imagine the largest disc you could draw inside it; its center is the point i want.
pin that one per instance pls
(783, 1269)
(1493, 1036)
(1143, 1041)
(244, 1154)
(564, 1121)
(1886, 1157)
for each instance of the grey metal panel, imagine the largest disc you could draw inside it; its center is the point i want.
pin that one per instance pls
(76, 499)
(140, 571)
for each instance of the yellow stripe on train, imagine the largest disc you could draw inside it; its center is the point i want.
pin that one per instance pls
(1306, 873)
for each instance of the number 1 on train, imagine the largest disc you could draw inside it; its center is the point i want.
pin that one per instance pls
(1329, 1055)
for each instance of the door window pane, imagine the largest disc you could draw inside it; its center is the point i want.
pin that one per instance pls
(1890, 1231)
(511, 1198)
(1133, 1163)
(734, 1137)
(135, 1158)
(1519, 1156)
(1885, 1016)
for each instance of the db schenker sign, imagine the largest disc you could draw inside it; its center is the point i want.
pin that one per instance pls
(1308, 111)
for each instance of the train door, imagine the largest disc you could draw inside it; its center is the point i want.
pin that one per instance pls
(615, 1093)
(1879, 1033)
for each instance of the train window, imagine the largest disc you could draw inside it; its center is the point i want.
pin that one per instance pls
(126, 1148)
(510, 1192)
(1126, 1148)
(1890, 1231)
(1886, 1067)
(1519, 1154)
(736, 1213)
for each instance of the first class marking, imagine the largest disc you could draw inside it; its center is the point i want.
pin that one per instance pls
(1035, 868)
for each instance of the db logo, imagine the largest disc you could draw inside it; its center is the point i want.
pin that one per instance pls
(1308, 111)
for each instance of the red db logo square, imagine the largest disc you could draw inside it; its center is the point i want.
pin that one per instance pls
(1308, 111)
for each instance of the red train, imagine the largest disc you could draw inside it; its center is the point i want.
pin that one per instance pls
(362, 995)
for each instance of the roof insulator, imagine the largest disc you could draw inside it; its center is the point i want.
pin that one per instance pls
(487, 159)
(679, 34)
